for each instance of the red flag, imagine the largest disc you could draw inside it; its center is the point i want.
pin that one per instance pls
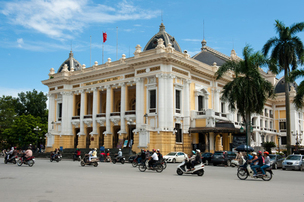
(104, 37)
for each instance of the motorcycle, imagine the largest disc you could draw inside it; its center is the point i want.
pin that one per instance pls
(198, 169)
(11, 159)
(156, 166)
(120, 159)
(56, 157)
(76, 158)
(85, 161)
(30, 161)
(245, 171)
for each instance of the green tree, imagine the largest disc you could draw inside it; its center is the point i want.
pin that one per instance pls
(248, 91)
(268, 145)
(287, 50)
(298, 100)
(33, 103)
(7, 116)
(22, 133)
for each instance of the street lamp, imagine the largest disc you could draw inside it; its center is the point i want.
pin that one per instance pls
(37, 129)
(146, 116)
(279, 143)
(297, 139)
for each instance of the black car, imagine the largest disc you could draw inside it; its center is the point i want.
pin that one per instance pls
(276, 161)
(222, 157)
(206, 158)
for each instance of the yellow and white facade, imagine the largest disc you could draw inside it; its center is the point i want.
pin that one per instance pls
(160, 98)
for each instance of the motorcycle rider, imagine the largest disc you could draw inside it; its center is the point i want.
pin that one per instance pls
(198, 159)
(160, 156)
(119, 155)
(108, 158)
(28, 153)
(259, 165)
(10, 153)
(267, 162)
(143, 156)
(191, 159)
(154, 159)
(77, 154)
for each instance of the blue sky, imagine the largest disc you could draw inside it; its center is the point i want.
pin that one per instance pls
(37, 35)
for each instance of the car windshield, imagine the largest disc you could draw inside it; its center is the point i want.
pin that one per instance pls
(218, 154)
(272, 157)
(171, 154)
(297, 158)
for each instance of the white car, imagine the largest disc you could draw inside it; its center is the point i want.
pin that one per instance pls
(175, 157)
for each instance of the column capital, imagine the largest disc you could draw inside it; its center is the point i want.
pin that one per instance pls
(138, 80)
(122, 84)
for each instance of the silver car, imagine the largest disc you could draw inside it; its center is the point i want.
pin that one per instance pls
(294, 161)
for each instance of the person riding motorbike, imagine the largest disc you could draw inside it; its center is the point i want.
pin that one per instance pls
(77, 154)
(190, 160)
(154, 159)
(108, 158)
(143, 156)
(267, 162)
(28, 153)
(93, 154)
(259, 165)
(198, 159)
(160, 156)
(10, 153)
(119, 155)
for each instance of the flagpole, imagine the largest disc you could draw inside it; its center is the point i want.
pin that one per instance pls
(90, 50)
(116, 43)
(102, 47)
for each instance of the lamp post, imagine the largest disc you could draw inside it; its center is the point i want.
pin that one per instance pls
(297, 139)
(279, 138)
(37, 129)
(146, 117)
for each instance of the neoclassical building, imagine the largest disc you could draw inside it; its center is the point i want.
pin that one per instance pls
(160, 98)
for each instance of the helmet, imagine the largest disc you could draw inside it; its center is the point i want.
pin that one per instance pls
(144, 150)
(259, 152)
(95, 149)
(153, 150)
(193, 151)
(108, 149)
(198, 150)
(266, 152)
(254, 153)
(119, 149)
(157, 149)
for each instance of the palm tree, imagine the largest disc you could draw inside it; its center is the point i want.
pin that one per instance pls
(298, 100)
(248, 91)
(287, 51)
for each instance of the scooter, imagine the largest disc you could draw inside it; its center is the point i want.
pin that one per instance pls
(198, 169)
(30, 161)
(85, 161)
(245, 170)
(11, 159)
(120, 159)
(156, 166)
(56, 158)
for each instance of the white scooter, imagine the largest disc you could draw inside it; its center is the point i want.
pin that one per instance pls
(198, 169)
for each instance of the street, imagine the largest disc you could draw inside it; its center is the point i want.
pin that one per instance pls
(67, 181)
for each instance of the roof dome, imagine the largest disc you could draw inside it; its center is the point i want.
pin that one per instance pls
(165, 36)
(70, 62)
(280, 86)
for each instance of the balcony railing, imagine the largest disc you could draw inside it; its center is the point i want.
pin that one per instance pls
(101, 115)
(59, 118)
(216, 113)
(266, 114)
(115, 114)
(130, 112)
(178, 111)
(271, 115)
(152, 110)
(75, 117)
(201, 113)
(87, 116)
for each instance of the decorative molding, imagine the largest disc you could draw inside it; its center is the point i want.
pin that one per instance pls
(88, 122)
(179, 71)
(115, 120)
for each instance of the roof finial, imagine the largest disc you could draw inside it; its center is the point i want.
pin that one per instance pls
(162, 16)
(204, 41)
(203, 29)
(162, 27)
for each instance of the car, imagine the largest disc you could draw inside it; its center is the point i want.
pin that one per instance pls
(276, 161)
(174, 157)
(206, 158)
(222, 157)
(294, 161)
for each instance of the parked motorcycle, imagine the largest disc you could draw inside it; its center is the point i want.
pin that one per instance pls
(245, 171)
(156, 166)
(198, 169)
(85, 161)
(56, 157)
(118, 159)
(28, 161)
(12, 158)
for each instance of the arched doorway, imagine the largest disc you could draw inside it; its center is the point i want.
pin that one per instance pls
(101, 136)
(116, 129)
(77, 130)
(88, 137)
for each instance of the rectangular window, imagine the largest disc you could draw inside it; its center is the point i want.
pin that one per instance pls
(282, 125)
(283, 140)
(178, 101)
(59, 111)
(152, 102)
(200, 103)
(178, 133)
(222, 107)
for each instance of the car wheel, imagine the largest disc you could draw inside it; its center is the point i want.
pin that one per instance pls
(283, 168)
(206, 162)
(174, 161)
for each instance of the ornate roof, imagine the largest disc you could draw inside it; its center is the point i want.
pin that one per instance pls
(280, 86)
(71, 62)
(209, 55)
(165, 36)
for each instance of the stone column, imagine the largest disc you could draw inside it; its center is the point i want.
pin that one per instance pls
(186, 105)
(108, 109)
(94, 111)
(169, 101)
(122, 108)
(161, 102)
(51, 118)
(216, 100)
(82, 107)
(139, 102)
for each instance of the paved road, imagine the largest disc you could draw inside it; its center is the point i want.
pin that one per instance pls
(68, 181)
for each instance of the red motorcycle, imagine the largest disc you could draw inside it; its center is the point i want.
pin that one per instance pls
(30, 161)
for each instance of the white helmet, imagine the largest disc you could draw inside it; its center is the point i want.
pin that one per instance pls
(119, 149)
(198, 150)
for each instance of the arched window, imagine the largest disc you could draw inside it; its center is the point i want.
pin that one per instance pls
(132, 105)
(117, 106)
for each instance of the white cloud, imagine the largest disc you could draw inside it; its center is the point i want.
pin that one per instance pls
(192, 40)
(61, 19)
(12, 91)
(20, 42)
